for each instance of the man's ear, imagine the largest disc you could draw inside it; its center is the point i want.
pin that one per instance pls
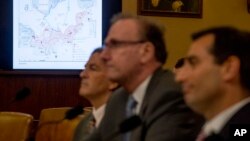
(231, 68)
(147, 52)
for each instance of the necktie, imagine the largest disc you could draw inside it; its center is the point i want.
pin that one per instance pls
(92, 124)
(130, 108)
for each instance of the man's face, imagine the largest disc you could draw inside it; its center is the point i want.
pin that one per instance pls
(94, 81)
(200, 76)
(121, 53)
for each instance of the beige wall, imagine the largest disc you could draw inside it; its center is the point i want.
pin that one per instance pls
(178, 30)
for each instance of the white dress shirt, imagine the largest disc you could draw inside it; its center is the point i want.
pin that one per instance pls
(98, 114)
(140, 92)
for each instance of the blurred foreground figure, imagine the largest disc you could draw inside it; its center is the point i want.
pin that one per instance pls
(216, 81)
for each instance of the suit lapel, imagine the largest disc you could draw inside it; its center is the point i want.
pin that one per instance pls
(150, 90)
(240, 117)
(137, 134)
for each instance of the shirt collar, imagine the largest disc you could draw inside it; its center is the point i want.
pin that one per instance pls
(98, 114)
(218, 122)
(140, 92)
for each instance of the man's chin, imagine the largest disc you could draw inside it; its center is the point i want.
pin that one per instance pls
(83, 92)
(187, 97)
(113, 77)
(196, 106)
(189, 101)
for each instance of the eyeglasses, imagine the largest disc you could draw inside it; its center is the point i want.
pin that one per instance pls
(117, 43)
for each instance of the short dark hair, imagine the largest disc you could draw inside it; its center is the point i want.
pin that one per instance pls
(228, 42)
(97, 50)
(149, 31)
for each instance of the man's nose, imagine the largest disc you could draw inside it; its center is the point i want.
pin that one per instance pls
(83, 73)
(105, 55)
(181, 74)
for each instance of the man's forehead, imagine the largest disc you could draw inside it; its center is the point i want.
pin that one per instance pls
(204, 43)
(95, 58)
(130, 22)
(126, 27)
(201, 47)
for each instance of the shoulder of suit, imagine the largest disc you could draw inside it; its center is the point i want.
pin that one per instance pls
(165, 79)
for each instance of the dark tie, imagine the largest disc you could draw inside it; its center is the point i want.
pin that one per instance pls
(92, 123)
(130, 109)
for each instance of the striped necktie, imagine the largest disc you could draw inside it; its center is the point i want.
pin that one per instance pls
(91, 125)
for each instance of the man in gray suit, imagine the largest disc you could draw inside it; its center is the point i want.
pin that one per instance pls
(134, 54)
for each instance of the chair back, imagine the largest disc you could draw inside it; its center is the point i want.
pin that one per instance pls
(15, 126)
(53, 126)
(52, 114)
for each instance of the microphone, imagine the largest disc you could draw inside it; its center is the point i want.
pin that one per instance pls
(70, 114)
(20, 95)
(126, 126)
(130, 124)
(74, 112)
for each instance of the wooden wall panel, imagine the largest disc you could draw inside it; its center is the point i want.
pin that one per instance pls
(48, 89)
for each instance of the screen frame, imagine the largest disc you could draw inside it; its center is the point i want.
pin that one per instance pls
(109, 8)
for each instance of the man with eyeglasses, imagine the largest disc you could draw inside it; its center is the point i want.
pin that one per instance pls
(134, 53)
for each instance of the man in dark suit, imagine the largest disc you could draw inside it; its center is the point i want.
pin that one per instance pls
(216, 81)
(134, 54)
(97, 88)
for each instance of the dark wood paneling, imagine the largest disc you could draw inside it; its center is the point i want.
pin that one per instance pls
(48, 89)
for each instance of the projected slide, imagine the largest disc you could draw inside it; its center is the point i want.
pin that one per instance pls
(55, 34)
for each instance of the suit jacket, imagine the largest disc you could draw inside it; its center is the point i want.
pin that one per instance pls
(242, 117)
(164, 113)
(83, 129)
